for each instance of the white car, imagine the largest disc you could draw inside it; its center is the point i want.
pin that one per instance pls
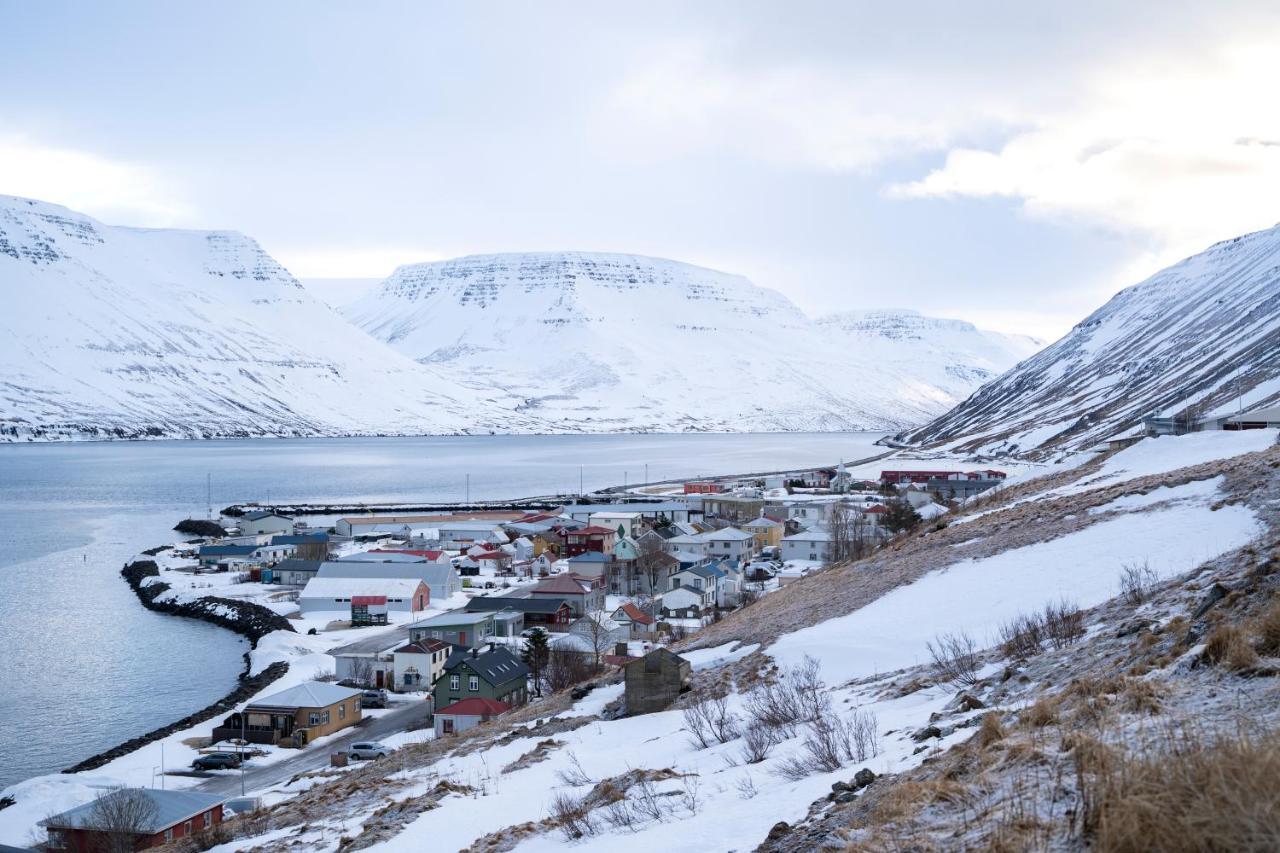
(368, 750)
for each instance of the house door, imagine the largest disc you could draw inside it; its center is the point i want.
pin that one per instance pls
(377, 679)
(446, 726)
(462, 638)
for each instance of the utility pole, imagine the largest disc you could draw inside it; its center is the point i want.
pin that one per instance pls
(581, 491)
(468, 489)
(208, 496)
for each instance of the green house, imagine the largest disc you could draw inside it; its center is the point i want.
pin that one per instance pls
(496, 673)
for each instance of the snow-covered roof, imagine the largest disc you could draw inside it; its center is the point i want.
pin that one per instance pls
(308, 694)
(171, 808)
(815, 534)
(322, 587)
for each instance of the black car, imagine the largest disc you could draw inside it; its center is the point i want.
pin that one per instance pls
(217, 761)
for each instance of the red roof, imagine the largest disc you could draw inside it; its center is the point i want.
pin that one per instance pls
(430, 555)
(617, 660)
(491, 555)
(877, 509)
(593, 530)
(635, 614)
(476, 706)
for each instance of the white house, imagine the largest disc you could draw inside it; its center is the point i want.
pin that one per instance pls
(688, 543)
(630, 522)
(811, 544)
(729, 544)
(702, 579)
(419, 663)
(441, 578)
(676, 511)
(682, 602)
(404, 595)
(259, 522)
(597, 633)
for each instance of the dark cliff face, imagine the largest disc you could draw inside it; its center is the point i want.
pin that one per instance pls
(1199, 335)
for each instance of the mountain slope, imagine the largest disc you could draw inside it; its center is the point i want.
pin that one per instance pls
(123, 332)
(619, 342)
(1202, 335)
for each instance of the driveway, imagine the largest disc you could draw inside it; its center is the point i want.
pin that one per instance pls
(398, 719)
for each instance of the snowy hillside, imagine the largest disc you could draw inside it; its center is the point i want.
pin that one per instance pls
(620, 342)
(129, 332)
(1201, 336)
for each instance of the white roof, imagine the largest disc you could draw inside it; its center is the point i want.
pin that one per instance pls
(347, 587)
(309, 694)
(762, 522)
(730, 533)
(814, 535)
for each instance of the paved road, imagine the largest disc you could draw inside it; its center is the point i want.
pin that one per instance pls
(399, 718)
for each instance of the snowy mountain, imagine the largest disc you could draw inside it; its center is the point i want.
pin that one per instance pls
(1202, 336)
(125, 332)
(600, 342)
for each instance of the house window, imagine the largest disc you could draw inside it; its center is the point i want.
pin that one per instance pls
(473, 684)
(208, 819)
(454, 682)
(168, 835)
(342, 711)
(186, 828)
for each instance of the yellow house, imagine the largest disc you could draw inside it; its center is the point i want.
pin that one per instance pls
(767, 532)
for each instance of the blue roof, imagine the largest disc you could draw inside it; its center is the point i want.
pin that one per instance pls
(299, 539)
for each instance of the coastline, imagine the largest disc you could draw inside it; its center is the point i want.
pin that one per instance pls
(251, 621)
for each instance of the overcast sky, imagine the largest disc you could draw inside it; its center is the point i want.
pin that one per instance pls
(1012, 165)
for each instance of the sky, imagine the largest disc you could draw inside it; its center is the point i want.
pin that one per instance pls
(1012, 165)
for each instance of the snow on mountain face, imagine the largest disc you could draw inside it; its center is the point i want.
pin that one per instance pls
(124, 332)
(622, 342)
(1202, 336)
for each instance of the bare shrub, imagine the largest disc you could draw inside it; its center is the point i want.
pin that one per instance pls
(565, 668)
(573, 775)
(1190, 794)
(569, 816)
(1137, 581)
(829, 741)
(955, 658)
(647, 801)
(746, 787)
(796, 697)
(709, 720)
(620, 815)
(1228, 646)
(757, 739)
(1063, 624)
(690, 793)
(1020, 637)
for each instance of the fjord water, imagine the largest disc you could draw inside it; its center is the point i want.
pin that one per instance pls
(86, 667)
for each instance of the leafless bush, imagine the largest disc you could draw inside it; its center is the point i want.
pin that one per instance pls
(690, 793)
(796, 697)
(746, 787)
(955, 658)
(757, 739)
(570, 817)
(830, 740)
(620, 815)
(646, 800)
(573, 775)
(565, 668)
(1021, 637)
(1063, 623)
(1137, 581)
(709, 721)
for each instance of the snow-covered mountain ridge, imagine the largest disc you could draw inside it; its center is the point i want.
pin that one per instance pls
(117, 332)
(599, 341)
(1202, 336)
(126, 332)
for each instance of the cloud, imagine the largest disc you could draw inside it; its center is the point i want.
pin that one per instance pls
(1177, 150)
(688, 97)
(117, 192)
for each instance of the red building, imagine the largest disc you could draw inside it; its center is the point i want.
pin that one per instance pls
(703, 487)
(589, 539)
(157, 816)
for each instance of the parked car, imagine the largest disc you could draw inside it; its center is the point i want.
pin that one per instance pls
(373, 699)
(217, 761)
(368, 750)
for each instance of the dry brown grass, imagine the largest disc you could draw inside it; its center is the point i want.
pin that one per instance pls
(1228, 645)
(991, 731)
(909, 796)
(1266, 627)
(1190, 794)
(1043, 713)
(1140, 696)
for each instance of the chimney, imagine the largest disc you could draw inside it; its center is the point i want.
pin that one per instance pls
(473, 651)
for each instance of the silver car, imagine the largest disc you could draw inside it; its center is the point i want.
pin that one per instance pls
(368, 750)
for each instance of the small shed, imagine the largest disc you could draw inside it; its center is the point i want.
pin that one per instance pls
(655, 681)
(467, 713)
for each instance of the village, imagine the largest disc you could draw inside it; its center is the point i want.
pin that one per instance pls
(443, 621)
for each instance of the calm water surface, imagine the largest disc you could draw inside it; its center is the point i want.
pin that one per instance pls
(86, 667)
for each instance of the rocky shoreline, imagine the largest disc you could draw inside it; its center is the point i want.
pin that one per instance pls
(251, 621)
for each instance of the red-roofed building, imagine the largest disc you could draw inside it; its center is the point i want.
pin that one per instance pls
(591, 538)
(582, 594)
(429, 555)
(640, 623)
(467, 713)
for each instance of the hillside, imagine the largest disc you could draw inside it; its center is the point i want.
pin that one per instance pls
(126, 332)
(598, 342)
(1115, 643)
(1202, 336)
